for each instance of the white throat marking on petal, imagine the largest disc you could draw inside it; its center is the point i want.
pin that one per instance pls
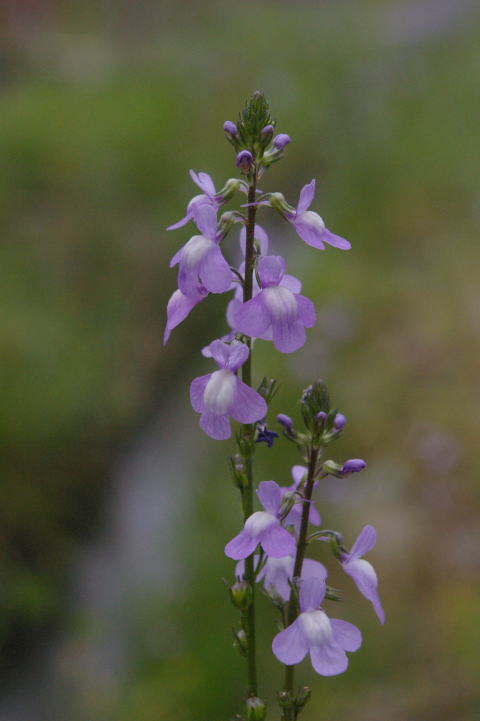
(316, 627)
(280, 302)
(219, 391)
(312, 219)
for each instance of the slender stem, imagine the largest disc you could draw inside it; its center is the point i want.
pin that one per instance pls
(248, 430)
(297, 571)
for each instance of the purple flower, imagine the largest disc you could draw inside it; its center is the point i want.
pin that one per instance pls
(339, 421)
(178, 308)
(205, 183)
(264, 528)
(362, 571)
(244, 161)
(200, 260)
(221, 394)
(281, 140)
(278, 572)
(310, 226)
(294, 517)
(326, 639)
(276, 312)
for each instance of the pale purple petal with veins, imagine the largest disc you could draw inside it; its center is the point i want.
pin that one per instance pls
(312, 593)
(307, 194)
(336, 241)
(215, 426)
(259, 235)
(346, 634)
(197, 389)
(178, 308)
(205, 217)
(288, 336)
(204, 182)
(248, 406)
(366, 540)
(277, 542)
(328, 659)
(270, 496)
(252, 318)
(214, 272)
(362, 571)
(306, 311)
(290, 646)
(241, 546)
(291, 283)
(271, 269)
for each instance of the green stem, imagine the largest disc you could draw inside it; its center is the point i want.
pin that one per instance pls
(248, 430)
(288, 712)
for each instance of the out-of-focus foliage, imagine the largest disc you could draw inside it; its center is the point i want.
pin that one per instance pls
(103, 110)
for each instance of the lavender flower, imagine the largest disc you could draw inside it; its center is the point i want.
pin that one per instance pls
(275, 312)
(200, 260)
(310, 226)
(264, 528)
(277, 574)
(362, 571)
(354, 465)
(230, 128)
(339, 421)
(208, 197)
(178, 308)
(244, 161)
(221, 394)
(313, 632)
(294, 517)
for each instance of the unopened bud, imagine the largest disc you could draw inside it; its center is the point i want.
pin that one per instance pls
(285, 421)
(354, 465)
(321, 418)
(230, 128)
(229, 189)
(339, 421)
(285, 699)
(255, 709)
(281, 140)
(244, 161)
(241, 594)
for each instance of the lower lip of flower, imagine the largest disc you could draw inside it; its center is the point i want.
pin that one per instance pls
(258, 522)
(316, 627)
(219, 392)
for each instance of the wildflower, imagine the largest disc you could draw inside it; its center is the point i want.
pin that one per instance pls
(276, 312)
(264, 435)
(221, 394)
(277, 574)
(310, 226)
(264, 528)
(200, 260)
(207, 197)
(294, 516)
(326, 639)
(362, 571)
(178, 308)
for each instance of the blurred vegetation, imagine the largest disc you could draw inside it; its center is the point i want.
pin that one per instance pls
(103, 111)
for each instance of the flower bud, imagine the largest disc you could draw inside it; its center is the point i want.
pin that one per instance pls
(285, 421)
(230, 128)
(339, 421)
(285, 699)
(255, 709)
(321, 418)
(244, 161)
(237, 469)
(277, 202)
(241, 594)
(354, 465)
(281, 140)
(240, 642)
(232, 186)
(330, 468)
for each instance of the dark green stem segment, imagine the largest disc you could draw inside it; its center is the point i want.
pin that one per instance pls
(248, 430)
(288, 710)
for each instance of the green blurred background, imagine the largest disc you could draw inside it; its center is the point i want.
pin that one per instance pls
(115, 506)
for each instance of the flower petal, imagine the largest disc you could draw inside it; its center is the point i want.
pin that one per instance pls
(259, 235)
(205, 217)
(366, 581)
(290, 646)
(247, 406)
(313, 569)
(217, 427)
(329, 659)
(176, 258)
(197, 388)
(178, 308)
(298, 474)
(306, 311)
(270, 496)
(204, 182)
(180, 223)
(276, 541)
(271, 269)
(312, 593)
(241, 546)
(366, 540)
(348, 636)
(288, 335)
(215, 272)
(252, 318)
(306, 196)
(291, 283)
(276, 573)
(238, 353)
(335, 240)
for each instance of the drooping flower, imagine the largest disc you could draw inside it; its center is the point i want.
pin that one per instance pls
(326, 639)
(220, 395)
(276, 312)
(263, 527)
(294, 517)
(310, 226)
(178, 308)
(207, 197)
(200, 260)
(362, 571)
(277, 573)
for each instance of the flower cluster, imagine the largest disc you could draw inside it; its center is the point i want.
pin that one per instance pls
(266, 304)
